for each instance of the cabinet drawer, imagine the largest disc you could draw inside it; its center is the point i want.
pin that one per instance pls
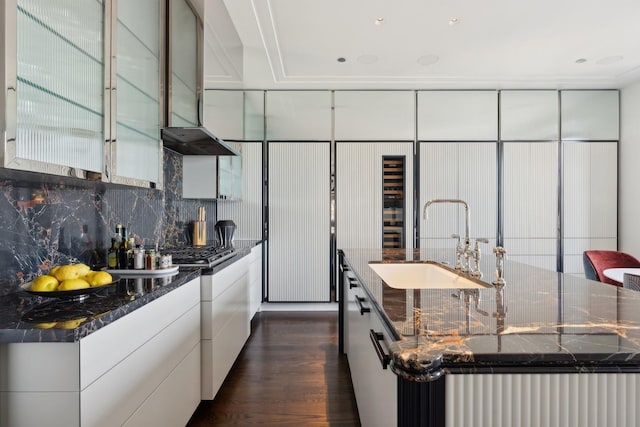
(214, 285)
(181, 382)
(105, 348)
(116, 395)
(216, 314)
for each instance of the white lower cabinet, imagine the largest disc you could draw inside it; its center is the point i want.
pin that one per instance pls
(255, 280)
(376, 389)
(143, 369)
(225, 323)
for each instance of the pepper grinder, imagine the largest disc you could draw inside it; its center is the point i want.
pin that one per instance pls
(200, 228)
(500, 253)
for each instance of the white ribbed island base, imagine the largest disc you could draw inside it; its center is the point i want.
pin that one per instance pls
(549, 400)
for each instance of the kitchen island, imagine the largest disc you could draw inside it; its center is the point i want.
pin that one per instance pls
(544, 349)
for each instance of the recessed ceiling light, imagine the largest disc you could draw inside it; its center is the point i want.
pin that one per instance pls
(609, 60)
(428, 59)
(341, 59)
(454, 21)
(379, 21)
(581, 61)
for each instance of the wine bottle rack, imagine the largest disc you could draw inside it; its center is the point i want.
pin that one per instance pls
(393, 205)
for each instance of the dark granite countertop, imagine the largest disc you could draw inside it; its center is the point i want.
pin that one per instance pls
(28, 318)
(540, 321)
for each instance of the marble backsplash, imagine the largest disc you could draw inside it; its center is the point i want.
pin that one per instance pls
(47, 220)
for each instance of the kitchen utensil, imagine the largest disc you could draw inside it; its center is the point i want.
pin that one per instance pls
(225, 229)
(200, 228)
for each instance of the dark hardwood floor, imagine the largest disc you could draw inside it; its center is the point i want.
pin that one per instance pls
(288, 374)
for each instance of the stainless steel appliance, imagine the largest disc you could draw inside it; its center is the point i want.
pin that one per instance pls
(199, 256)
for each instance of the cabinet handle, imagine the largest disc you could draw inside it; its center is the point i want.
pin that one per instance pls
(363, 309)
(376, 337)
(353, 283)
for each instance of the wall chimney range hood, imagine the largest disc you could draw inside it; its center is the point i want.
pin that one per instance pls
(194, 141)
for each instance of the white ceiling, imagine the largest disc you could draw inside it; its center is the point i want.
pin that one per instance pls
(495, 44)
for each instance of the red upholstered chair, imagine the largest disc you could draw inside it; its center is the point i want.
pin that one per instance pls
(595, 262)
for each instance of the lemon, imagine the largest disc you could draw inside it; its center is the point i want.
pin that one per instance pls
(47, 325)
(73, 284)
(66, 272)
(53, 270)
(44, 284)
(89, 275)
(83, 269)
(70, 324)
(100, 278)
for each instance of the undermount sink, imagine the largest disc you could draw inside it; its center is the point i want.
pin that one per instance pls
(422, 275)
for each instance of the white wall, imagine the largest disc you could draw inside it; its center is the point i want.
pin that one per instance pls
(629, 178)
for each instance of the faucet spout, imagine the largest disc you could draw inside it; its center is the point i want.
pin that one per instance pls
(425, 213)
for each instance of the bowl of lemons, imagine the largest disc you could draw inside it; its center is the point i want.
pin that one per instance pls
(73, 281)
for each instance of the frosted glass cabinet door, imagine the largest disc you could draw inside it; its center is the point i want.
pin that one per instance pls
(529, 115)
(184, 63)
(223, 113)
(298, 116)
(138, 112)
(458, 115)
(374, 115)
(590, 115)
(55, 116)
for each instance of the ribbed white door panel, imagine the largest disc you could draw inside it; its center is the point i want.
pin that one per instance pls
(590, 199)
(542, 400)
(298, 222)
(531, 202)
(359, 192)
(456, 170)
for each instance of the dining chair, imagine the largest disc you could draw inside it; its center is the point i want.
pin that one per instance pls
(596, 261)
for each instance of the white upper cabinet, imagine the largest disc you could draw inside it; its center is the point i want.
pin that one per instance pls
(234, 114)
(81, 89)
(253, 115)
(528, 115)
(138, 64)
(223, 113)
(184, 77)
(467, 115)
(590, 115)
(298, 115)
(53, 87)
(375, 115)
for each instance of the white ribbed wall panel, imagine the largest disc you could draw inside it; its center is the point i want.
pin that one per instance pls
(542, 400)
(299, 222)
(590, 199)
(531, 202)
(458, 170)
(247, 213)
(359, 192)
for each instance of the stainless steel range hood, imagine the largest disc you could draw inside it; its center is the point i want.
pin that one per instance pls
(195, 141)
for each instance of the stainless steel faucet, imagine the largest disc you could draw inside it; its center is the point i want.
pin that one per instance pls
(500, 254)
(467, 239)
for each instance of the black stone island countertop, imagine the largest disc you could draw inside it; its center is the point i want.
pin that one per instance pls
(540, 321)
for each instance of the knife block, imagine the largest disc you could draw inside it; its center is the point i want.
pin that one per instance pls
(199, 233)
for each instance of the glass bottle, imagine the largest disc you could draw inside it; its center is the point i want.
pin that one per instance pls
(112, 255)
